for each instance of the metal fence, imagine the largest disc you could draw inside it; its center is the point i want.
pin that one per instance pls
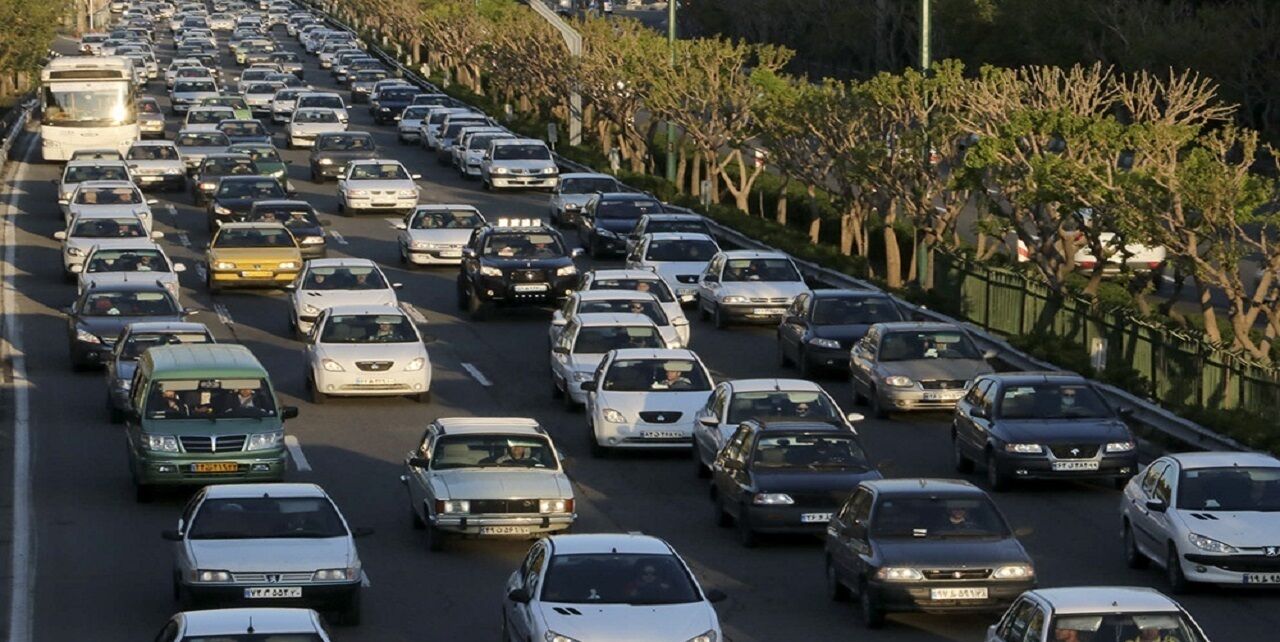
(1181, 370)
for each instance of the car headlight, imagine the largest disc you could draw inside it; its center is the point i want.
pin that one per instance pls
(312, 240)
(899, 381)
(568, 270)
(449, 506)
(416, 365)
(75, 251)
(1210, 545)
(573, 206)
(613, 235)
(549, 170)
(734, 300)
(162, 443)
(326, 161)
(265, 440)
(1024, 449)
(583, 375)
(173, 171)
(555, 505)
(1014, 572)
(499, 170)
(210, 577)
(1120, 446)
(288, 265)
(208, 185)
(408, 193)
(899, 574)
(279, 173)
(224, 265)
(824, 343)
(358, 193)
(772, 499)
(613, 416)
(489, 270)
(84, 336)
(336, 574)
(552, 636)
(218, 209)
(709, 636)
(331, 365)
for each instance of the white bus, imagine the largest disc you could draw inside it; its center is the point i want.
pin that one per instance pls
(88, 103)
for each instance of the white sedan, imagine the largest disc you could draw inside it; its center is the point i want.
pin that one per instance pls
(377, 185)
(230, 624)
(647, 399)
(88, 230)
(325, 283)
(640, 281)
(748, 286)
(675, 332)
(435, 234)
(679, 258)
(309, 122)
(578, 349)
(141, 258)
(358, 350)
(110, 198)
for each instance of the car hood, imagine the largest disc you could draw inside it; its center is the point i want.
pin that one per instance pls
(1063, 431)
(258, 254)
(398, 353)
(617, 225)
(576, 199)
(250, 138)
(109, 327)
(201, 127)
(769, 289)
(344, 156)
(316, 127)
(111, 278)
(819, 480)
(330, 298)
(200, 151)
(393, 104)
(156, 164)
(492, 483)
(950, 553)
(451, 236)
(86, 243)
(626, 623)
(669, 270)
(289, 555)
(139, 210)
(1247, 529)
(632, 402)
(845, 334)
(523, 164)
(381, 185)
(930, 369)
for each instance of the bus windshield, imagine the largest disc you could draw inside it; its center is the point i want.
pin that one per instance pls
(98, 104)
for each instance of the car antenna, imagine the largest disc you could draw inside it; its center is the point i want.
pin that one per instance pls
(250, 629)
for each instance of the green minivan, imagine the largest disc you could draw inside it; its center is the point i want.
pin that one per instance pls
(203, 414)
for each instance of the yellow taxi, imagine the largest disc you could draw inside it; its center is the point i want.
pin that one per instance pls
(252, 254)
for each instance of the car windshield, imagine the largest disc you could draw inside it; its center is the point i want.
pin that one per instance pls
(266, 518)
(588, 185)
(649, 308)
(352, 142)
(294, 217)
(378, 172)
(772, 270)
(1052, 401)
(228, 167)
(398, 94)
(207, 116)
(617, 578)
(287, 94)
(446, 220)
(108, 196)
(327, 102)
(655, 375)
(681, 251)
(1124, 627)
(809, 451)
(316, 116)
(264, 88)
(103, 228)
(253, 237)
(259, 154)
(415, 113)
(211, 399)
(656, 287)
(81, 173)
(928, 344)
(779, 404)
(528, 246)
(344, 278)
(227, 101)
(259, 189)
(481, 141)
(148, 107)
(370, 75)
(521, 152)
(138, 342)
(1236, 488)
(153, 152)
(126, 261)
(493, 451)
(601, 339)
(677, 226)
(203, 139)
(930, 517)
(95, 154)
(369, 328)
(242, 129)
(254, 75)
(628, 209)
(127, 304)
(854, 311)
(194, 86)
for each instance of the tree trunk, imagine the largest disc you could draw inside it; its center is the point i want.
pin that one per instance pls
(1206, 308)
(682, 163)
(695, 176)
(780, 214)
(892, 255)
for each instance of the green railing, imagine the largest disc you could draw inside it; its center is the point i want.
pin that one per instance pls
(1182, 371)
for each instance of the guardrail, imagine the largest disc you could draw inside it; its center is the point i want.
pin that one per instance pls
(11, 128)
(1145, 413)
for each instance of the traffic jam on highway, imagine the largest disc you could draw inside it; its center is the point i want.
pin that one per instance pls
(249, 121)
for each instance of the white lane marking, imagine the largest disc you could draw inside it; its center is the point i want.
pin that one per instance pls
(295, 453)
(224, 315)
(337, 236)
(364, 581)
(173, 211)
(414, 313)
(183, 239)
(393, 221)
(23, 562)
(200, 271)
(477, 375)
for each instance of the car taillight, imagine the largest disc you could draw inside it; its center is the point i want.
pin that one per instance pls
(1088, 265)
(1153, 265)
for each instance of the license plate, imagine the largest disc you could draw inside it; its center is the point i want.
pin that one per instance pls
(943, 396)
(256, 274)
(766, 312)
(372, 382)
(530, 287)
(451, 254)
(145, 178)
(979, 593)
(384, 203)
(215, 467)
(662, 434)
(1075, 465)
(273, 592)
(504, 530)
(1261, 578)
(811, 518)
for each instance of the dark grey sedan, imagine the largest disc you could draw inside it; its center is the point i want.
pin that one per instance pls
(908, 366)
(134, 340)
(95, 320)
(333, 151)
(821, 326)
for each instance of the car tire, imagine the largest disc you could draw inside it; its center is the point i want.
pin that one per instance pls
(462, 295)
(476, 308)
(598, 451)
(415, 519)
(1120, 482)
(872, 614)
(723, 518)
(802, 364)
(958, 459)
(719, 319)
(422, 397)
(836, 590)
(747, 536)
(342, 209)
(116, 415)
(349, 614)
(1133, 558)
(186, 601)
(877, 410)
(556, 392)
(702, 310)
(570, 405)
(1178, 584)
(404, 255)
(997, 480)
(700, 470)
(858, 399)
(435, 538)
(318, 398)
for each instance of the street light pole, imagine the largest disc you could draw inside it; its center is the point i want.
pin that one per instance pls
(926, 32)
(671, 129)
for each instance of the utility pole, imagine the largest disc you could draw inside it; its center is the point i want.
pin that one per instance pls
(926, 60)
(573, 40)
(671, 129)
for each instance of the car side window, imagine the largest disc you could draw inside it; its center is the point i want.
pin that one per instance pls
(735, 443)
(189, 510)
(1150, 476)
(424, 448)
(1014, 625)
(974, 396)
(533, 574)
(987, 397)
(1163, 490)
(1035, 626)
(567, 310)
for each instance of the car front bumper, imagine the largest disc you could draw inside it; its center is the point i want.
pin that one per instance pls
(93, 353)
(1254, 571)
(435, 256)
(747, 313)
(176, 469)
(368, 203)
(1123, 465)
(532, 524)
(165, 181)
(918, 596)
(837, 358)
(497, 290)
(908, 399)
(508, 180)
(317, 596)
(246, 278)
(357, 383)
(643, 435)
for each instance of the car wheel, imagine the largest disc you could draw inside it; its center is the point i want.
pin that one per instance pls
(414, 518)
(872, 614)
(318, 398)
(996, 479)
(803, 365)
(475, 307)
(212, 285)
(342, 209)
(556, 392)
(718, 316)
(186, 601)
(349, 615)
(314, 176)
(702, 311)
(723, 518)
(858, 399)
(597, 450)
(423, 397)
(1178, 583)
(569, 404)
(746, 534)
(462, 295)
(116, 415)
(1120, 482)
(1133, 558)
(877, 409)
(435, 538)
(836, 590)
(700, 470)
(404, 255)
(958, 459)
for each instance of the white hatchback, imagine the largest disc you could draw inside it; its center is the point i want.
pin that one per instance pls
(435, 234)
(325, 283)
(358, 350)
(578, 349)
(646, 399)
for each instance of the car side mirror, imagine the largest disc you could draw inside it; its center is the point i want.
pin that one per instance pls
(171, 535)
(588, 386)
(561, 350)
(419, 462)
(179, 266)
(153, 201)
(291, 286)
(361, 531)
(854, 417)
(1156, 505)
(397, 286)
(520, 596)
(978, 411)
(400, 225)
(710, 421)
(289, 412)
(576, 253)
(76, 269)
(186, 312)
(157, 235)
(468, 253)
(989, 355)
(1125, 412)
(715, 595)
(416, 177)
(60, 236)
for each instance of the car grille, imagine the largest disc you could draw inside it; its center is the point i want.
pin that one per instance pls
(657, 441)
(374, 366)
(221, 444)
(389, 193)
(944, 384)
(776, 299)
(270, 578)
(660, 417)
(830, 499)
(954, 574)
(1081, 451)
(484, 506)
(528, 276)
(687, 278)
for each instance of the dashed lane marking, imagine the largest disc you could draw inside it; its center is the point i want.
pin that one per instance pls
(224, 315)
(183, 239)
(414, 313)
(201, 272)
(477, 375)
(337, 236)
(295, 453)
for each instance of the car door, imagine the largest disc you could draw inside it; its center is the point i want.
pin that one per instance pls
(721, 477)
(851, 535)
(1013, 626)
(520, 621)
(183, 563)
(706, 429)
(862, 360)
(1153, 525)
(562, 354)
(709, 283)
(790, 332)
(738, 484)
(635, 254)
(973, 416)
(560, 318)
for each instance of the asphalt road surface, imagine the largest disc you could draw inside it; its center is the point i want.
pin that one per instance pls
(102, 571)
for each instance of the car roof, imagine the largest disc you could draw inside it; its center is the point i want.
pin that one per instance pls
(519, 141)
(609, 295)
(340, 262)
(139, 244)
(232, 155)
(634, 273)
(793, 425)
(365, 309)
(656, 353)
(167, 326)
(198, 361)
(216, 622)
(84, 184)
(679, 236)
(837, 293)
(140, 284)
(586, 175)
(768, 385)
(94, 162)
(1224, 459)
(668, 216)
(1079, 600)
(620, 543)
(904, 326)
(276, 489)
(443, 207)
(923, 487)
(627, 196)
(487, 425)
(1036, 377)
(375, 161)
(147, 143)
(613, 319)
(753, 254)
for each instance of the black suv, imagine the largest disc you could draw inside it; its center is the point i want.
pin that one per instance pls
(932, 545)
(236, 195)
(387, 105)
(215, 166)
(524, 263)
(786, 476)
(607, 220)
